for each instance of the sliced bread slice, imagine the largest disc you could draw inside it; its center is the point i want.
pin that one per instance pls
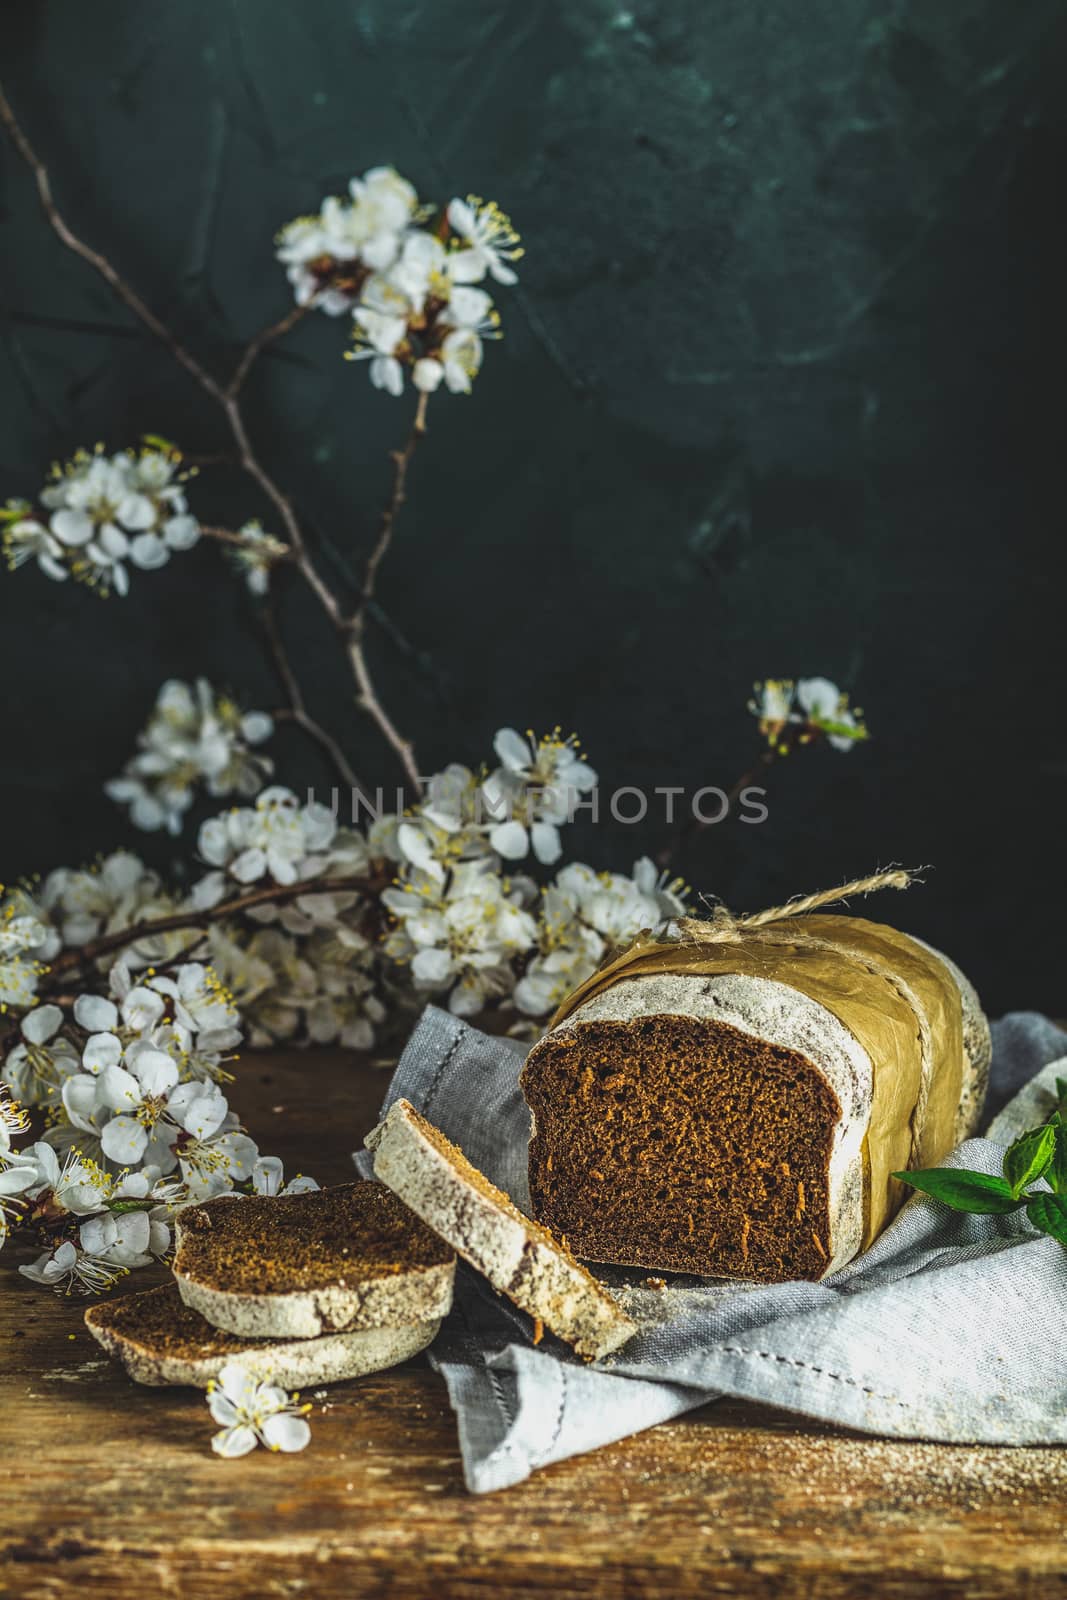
(297, 1266)
(162, 1341)
(519, 1257)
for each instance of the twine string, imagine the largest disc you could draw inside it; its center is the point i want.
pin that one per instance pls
(723, 927)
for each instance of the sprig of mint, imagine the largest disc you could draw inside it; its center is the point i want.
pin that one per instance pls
(1040, 1153)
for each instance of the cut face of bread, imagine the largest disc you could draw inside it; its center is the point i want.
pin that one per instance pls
(683, 1144)
(162, 1341)
(297, 1266)
(519, 1257)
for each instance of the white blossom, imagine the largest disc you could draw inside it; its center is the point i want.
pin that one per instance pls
(826, 708)
(323, 988)
(42, 1060)
(275, 1009)
(413, 304)
(345, 1007)
(668, 894)
(534, 791)
(26, 538)
(27, 943)
(462, 938)
(488, 240)
(13, 1119)
(460, 359)
(249, 1413)
(256, 556)
(584, 914)
(327, 256)
(118, 1241)
(88, 901)
(100, 513)
(186, 1011)
(552, 974)
(448, 826)
(799, 712)
(380, 338)
(70, 1270)
(194, 736)
(383, 204)
(268, 1178)
(75, 1186)
(138, 1111)
(213, 1161)
(313, 267)
(137, 1095)
(276, 838)
(103, 1226)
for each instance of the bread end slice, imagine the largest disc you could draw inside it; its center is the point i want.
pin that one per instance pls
(161, 1341)
(519, 1257)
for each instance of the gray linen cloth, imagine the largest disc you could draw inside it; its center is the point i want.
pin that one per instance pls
(949, 1328)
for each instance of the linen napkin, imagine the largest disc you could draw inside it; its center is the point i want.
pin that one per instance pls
(949, 1328)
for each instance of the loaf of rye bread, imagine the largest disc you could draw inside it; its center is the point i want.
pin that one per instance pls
(737, 1109)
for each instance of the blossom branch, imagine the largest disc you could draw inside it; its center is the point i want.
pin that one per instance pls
(224, 396)
(356, 625)
(99, 262)
(666, 857)
(368, 701)
(297, 711)
(277, 330)
(227, 397)
(238, 540)
(151, 927)
(401, 462)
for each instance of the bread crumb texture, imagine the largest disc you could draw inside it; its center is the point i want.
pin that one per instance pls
(259, 1245)
(683, 1145)
(158, 1323)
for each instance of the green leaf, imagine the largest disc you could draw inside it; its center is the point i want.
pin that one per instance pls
(14, 510)
(1029, 1157)
(157, 442)
(1056, 1174)
(964, 1191)
(1061, 1091)
(1048, 1212)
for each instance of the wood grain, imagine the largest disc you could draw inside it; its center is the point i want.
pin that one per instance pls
(111, 1488)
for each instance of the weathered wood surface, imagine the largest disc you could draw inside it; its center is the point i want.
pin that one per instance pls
(112, 1489)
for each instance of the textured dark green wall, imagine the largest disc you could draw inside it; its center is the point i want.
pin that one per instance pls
(769, 402)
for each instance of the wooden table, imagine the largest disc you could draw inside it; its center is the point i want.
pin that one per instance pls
(111, 1489)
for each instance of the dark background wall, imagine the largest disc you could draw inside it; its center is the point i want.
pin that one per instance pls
(770, 402)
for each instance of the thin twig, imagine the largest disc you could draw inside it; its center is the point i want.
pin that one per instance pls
(284, 507)
(100, 262)
(368, 698)
(694, 824)
(152, 927)
(239, 540)
(297, 711)
(315, 731)
(401, 462)
(226, 396)
(368, 701)
(348, 629)
(277, 330)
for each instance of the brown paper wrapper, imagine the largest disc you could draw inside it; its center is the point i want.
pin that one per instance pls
(891, 993)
